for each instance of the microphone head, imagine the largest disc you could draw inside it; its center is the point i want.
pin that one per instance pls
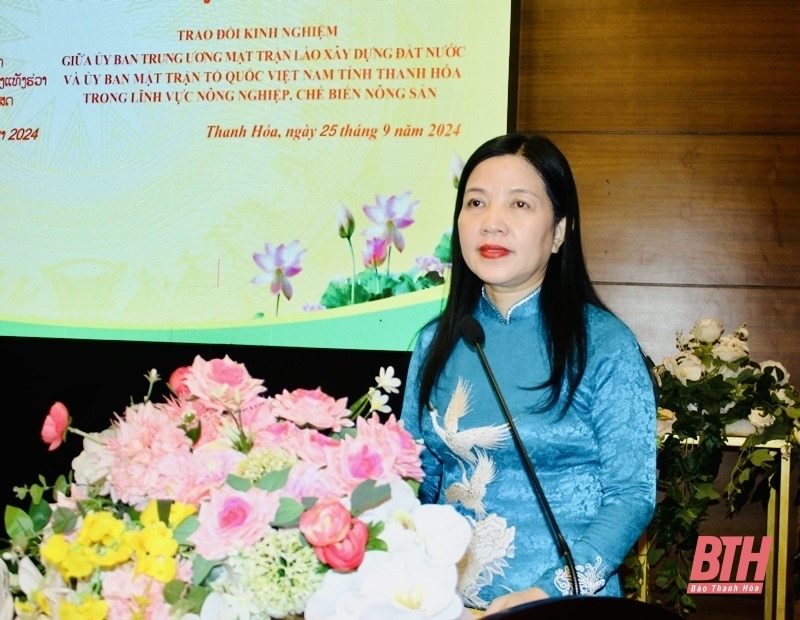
(472, 331)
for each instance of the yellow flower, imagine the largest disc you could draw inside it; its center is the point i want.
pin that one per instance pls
(100, 528)
(88, 609)
(178, 511)
(158, 567)
(155, 549)
(55, 549)
(108, 556)
(70, 559)
(76, 564)
(101, 538)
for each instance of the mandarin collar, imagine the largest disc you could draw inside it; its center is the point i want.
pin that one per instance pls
(526, 307)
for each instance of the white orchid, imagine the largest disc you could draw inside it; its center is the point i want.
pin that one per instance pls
(415, 579)
(6, 598)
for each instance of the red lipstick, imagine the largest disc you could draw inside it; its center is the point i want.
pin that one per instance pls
(493, 251)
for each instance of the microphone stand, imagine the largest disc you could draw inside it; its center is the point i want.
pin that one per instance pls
(473, 333)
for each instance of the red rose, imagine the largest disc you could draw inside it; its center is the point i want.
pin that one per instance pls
(54, 429)
(326, 522)
(349, 553)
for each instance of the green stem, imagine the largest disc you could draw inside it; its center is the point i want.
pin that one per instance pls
(353, 269)
(85, 435)
(358, 407)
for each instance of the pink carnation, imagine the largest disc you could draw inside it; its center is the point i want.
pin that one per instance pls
(380, 452)
(147, 453)
(133, 595)
(208, 468)
(313, 408)
(309, 445)
(395, 440)
(308, 480)
(232, 520)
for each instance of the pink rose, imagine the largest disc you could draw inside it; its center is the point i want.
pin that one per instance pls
(313, 408)
(326, 522)
(223, 383)
(177, 382)
(231, 520)
(349, 553)
(54, 429)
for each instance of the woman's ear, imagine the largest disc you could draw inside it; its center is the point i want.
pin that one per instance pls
(558, 234)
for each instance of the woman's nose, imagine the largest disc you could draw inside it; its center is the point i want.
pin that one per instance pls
(493, 221)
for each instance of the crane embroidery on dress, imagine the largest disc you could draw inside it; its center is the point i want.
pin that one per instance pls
(472, 489)
(492, 541)
(462, 443)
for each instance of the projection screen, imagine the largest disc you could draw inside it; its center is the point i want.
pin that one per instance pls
(230, 171)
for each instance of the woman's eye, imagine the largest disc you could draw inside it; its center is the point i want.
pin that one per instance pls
(521, 204)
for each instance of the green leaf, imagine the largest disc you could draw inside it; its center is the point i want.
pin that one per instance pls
(274, 480)
(201, 569)
(238, 483)
(186, 528)
(762, 457)
(442, 250)
(40, 514)
(367, 495)
(195, 598)
(705, 490)
(654, 555)
(193, 433)
(64, 520)
(374, 542)
(19, 526)
(61, 485)
(288, 514)
(163, 506)
(173, 591)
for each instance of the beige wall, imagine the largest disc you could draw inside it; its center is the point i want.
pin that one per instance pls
(682, 122)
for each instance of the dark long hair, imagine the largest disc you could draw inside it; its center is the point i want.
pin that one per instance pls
(566, 289)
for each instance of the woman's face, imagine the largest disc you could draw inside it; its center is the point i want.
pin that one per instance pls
(507, 227)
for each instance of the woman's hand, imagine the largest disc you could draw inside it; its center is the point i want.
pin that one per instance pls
(515, 598)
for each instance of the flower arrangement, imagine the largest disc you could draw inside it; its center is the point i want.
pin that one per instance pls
(711, 390)
(223, 503)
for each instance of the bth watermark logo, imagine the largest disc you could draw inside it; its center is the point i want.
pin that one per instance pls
(714, 561)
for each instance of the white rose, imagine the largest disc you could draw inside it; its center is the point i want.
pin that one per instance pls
(93, 465)
(760, 419)
(685, 367)
(707, 330)
(777, 370)
(730, 373)
(784, 398)
(730, 349)
(685, 343)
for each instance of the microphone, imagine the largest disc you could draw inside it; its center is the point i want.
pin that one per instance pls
(473, 333)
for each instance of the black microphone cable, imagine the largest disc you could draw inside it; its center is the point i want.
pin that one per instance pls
(473, 333)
